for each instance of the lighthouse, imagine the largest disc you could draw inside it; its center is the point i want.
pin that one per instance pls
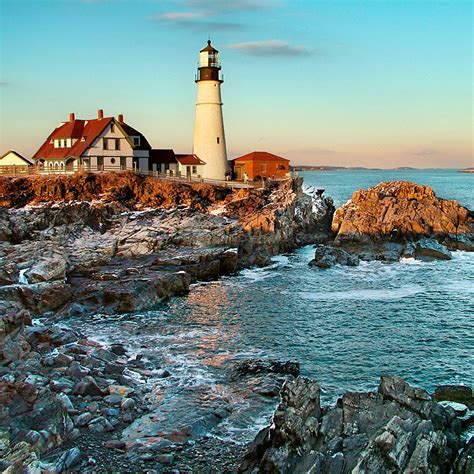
(209, 138)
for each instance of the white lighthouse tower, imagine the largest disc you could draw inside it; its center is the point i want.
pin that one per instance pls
(209, 138)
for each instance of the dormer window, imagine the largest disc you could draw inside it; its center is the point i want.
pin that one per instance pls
(136, 141)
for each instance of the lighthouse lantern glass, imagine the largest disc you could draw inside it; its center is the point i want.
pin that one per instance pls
(208, 59)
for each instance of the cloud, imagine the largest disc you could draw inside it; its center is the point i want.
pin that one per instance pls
(180, 16)
(223, 5)
(425, 152)
(4, 83)
(196, 20)
(271, 48)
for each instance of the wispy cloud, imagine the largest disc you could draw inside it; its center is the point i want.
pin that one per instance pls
(211, 15)
(4, 83)
(195, 20)
(222, 5)
(271, 48)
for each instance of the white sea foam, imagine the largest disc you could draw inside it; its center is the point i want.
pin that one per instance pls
(365, 295)
(22, 278)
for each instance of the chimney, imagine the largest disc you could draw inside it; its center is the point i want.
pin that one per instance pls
(120, 118)
(72, 117)
(100, 114)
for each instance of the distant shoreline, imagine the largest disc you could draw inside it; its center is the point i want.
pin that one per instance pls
(360, 168)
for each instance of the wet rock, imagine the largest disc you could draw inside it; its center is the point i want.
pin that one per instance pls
(46, 269)
(127, 404)
(77, 371)
(262, 366)
(114, 399)
(68, 459)
(62, 385)
(115, 444)
(118, 349)
(83, 420)
(87, 386)
(455, 393)
(114, 369)
(427, 249)
(326, 257)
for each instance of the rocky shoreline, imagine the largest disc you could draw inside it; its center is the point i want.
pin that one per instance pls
(112, 244)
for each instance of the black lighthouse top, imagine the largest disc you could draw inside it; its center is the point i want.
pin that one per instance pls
(209, 67)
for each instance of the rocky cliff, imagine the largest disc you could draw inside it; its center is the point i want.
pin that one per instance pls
(121, 242)
(400, 218)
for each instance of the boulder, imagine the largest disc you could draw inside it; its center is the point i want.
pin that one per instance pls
(47, 269)
(427, 249)
(326, 257)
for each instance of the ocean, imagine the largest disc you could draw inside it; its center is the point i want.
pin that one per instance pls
(345, 325)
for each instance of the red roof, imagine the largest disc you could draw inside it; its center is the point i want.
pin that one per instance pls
(85, 132)
(87, 129)
(189, 160)
(259, 156)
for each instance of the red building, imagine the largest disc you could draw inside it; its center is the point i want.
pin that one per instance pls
(260, 165)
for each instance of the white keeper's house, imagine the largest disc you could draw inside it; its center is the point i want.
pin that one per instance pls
(93, 144)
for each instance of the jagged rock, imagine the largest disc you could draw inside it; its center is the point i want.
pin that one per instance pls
(326, 257)
(88, 386)
(465, 460)
(396, 429)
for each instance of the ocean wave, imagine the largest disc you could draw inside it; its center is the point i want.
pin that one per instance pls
(366, 295)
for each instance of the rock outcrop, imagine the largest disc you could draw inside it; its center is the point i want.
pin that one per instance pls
(397, 219)
(118, 242)
(395, 429)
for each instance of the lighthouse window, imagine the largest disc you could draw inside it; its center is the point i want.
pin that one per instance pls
(218, 140)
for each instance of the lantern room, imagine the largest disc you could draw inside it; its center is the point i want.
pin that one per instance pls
(209, 56)
(209, 67)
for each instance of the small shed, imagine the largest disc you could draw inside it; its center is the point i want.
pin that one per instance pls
(260, 165)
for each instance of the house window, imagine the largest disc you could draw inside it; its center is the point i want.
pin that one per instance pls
(106, 144)
(112, 128)
(195, 169)
(218, 140)
(263, 168)
(112, 160)
(167, 166)
(100, 163)
(117, 143)
(136, 141)
(123, 162)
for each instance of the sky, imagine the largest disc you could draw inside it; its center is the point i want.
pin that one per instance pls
(373, 83)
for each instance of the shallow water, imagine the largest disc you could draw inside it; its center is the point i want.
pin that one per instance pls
(345, 325)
